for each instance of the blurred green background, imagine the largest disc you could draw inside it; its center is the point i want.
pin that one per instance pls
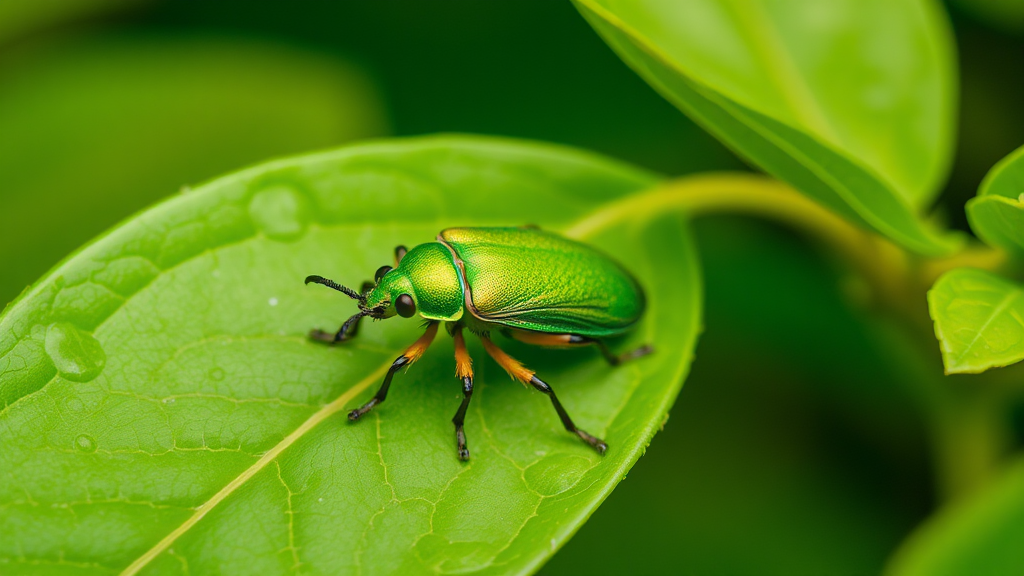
(795, 447)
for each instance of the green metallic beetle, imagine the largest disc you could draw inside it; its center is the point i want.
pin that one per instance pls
(531, 285)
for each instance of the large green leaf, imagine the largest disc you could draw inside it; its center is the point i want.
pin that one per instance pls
(850, 101)
(95, 129)
(997, 213)
(165, 412)
(980, 535)
(979, 320)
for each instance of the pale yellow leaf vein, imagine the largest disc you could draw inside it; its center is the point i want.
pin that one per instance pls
(999, 308)
(321, 415)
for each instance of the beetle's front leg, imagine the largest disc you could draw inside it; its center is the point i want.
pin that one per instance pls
(348, 330)
(464, 370)
(411, 354)
(527, 376)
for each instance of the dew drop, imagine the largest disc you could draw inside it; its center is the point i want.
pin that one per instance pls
(85, 443)
(319, 499)
(168, 400)
(280, 212)
(272, 301)
(76, 354)
(217, 374)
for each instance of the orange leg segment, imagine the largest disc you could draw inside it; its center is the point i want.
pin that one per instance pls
(464, 370)
(527, 376)
(411, 354)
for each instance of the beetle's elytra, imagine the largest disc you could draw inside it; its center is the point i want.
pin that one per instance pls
(531, 285)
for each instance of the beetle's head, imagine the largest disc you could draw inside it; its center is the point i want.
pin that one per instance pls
(389, 295)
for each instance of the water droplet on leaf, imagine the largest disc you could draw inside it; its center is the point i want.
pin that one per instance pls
(85, 443)
(76, 354)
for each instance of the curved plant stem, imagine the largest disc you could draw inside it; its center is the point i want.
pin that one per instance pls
(895, 275)
(967, 431)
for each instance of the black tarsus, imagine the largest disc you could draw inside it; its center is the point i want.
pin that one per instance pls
(347, 331)
(593, 441)
(382, 392)
(460, 417)
(611, 357)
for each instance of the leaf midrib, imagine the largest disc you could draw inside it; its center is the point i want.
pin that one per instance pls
(326, 412)
(996, 311)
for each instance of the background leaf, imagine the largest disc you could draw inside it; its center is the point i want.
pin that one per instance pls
(980, 535)
(997, 214)
(125, 120)
(810, 92)
(160, 394)
(979, 320)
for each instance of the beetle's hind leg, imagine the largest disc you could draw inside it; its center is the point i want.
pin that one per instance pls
(464, 370)
(571, 340)
(527, 376)
(611, 357)
(411, 354)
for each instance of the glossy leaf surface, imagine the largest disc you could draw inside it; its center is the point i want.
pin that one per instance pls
(979, 320)
(981, 535)
(809, 91)
(165, 413)
(997, 213)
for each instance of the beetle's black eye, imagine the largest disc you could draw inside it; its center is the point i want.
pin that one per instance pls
(381, 272)
(405, 306)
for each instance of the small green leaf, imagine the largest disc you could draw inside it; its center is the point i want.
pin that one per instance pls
(811, 92)
(164, 410)
(980, 535)
(979, 320)
(997, 214)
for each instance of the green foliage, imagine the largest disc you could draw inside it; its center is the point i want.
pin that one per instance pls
(809, 92)
(997, 213)
(979, 320)
(150, 115)
(166, 369)
(981, 535)
(164, 412)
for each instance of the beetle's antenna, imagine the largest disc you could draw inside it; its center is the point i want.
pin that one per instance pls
(332, 284)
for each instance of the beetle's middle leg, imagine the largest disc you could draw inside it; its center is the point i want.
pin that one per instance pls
(527, 376)
(570, 340)
(411, 354)
(464, 370)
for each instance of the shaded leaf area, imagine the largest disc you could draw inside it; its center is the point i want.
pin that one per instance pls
(979, 320)
(979, 535)
(809, 92)
(19, 19)
(997, 213)
(165, 412)
(797, 445)
(97, 129)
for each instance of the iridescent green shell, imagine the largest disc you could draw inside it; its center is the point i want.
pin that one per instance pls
(429, 274)
(535, 280)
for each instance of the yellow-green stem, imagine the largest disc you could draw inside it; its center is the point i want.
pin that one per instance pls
(967, 429)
